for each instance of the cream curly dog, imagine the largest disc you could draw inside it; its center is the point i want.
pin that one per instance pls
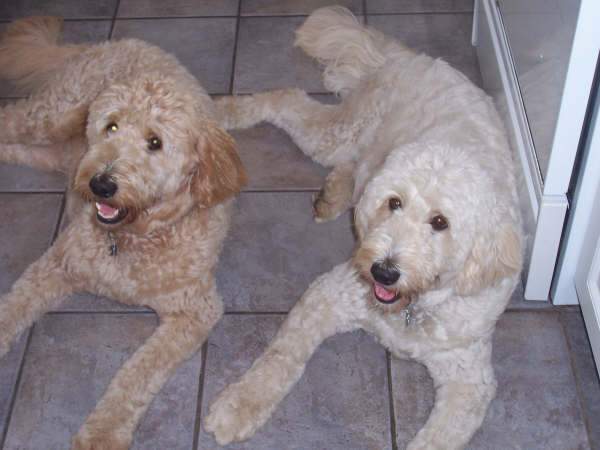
(421, 154)
(151, 175)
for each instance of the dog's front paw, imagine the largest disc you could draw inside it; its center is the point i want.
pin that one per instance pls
(234, 416)
(322, 209)
(87, 440)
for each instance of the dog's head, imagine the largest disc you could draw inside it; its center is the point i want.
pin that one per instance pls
(434, 217)
(153, 154)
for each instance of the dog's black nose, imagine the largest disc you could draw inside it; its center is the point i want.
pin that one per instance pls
(384, 273)
(103, 186)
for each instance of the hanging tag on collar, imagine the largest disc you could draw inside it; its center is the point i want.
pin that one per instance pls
(113, 244)
(408, 315)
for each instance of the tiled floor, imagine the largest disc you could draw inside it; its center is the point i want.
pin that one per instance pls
(353, 395)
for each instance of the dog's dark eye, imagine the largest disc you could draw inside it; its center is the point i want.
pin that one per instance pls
(112, 127)
(154, 143)
(439, 223)
(395, 203)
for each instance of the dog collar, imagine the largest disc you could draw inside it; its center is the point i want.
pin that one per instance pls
(112, 248)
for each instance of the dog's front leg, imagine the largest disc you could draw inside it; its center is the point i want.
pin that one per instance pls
(332, 304)
(465, 386)
(335, 196)
(112, 423)
(39, 289)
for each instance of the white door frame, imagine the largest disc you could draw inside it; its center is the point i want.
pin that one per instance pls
(545, 203)
(586, 47)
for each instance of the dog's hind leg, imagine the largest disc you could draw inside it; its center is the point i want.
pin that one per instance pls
(177, 338)
(42, 287)
(334, 303)
(326, 133)
(42, 120)
(43, 157)
(335, 196)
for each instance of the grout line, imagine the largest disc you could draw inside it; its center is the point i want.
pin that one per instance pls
(61, 212)
(151, 312)
(249, 16)
(87, 19)
(424, 13)
(265, 313)
(278, 191)
(549, 309)
(17, 385)
(331, 94)
(201, 379)
(114, 20)
(123, 18)
(584, 416)
(106, 312)
(66, 19)
(365, 20)
(391, 400)
(245, 93)
(32, 192)
(235, 47)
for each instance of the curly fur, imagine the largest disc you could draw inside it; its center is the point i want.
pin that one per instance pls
(175, 200)
(413, 129)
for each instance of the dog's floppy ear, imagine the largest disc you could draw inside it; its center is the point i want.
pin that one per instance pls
(220, 173)
(491, 259)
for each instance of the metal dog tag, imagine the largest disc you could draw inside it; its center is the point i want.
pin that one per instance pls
(113, 244)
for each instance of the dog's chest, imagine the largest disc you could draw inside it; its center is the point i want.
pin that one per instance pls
(130, 270)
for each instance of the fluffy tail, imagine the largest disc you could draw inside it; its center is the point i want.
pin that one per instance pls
(30, 53)
(349, 51)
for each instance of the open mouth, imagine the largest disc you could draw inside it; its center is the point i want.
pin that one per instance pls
(389, 296)
(384, 294)
(109, 215)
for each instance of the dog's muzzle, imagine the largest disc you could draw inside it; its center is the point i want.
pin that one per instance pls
(104, 187)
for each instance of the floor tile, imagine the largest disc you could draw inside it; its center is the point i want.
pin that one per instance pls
(536, 405)
(283, 7)
(26, 230)
(204, 46)
(585, 373)
(418, 6)
(266, 58)
(273, 161)
(72, 9)
(85, 302)
(446, 36)
(413, 394)
(24, 179)
(74, 32)
(9, 370)
(341, 401)
(68, 367)
(274, 250)
(177, 8)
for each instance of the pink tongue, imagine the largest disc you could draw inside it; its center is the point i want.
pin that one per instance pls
(106, 210)
(382, 293)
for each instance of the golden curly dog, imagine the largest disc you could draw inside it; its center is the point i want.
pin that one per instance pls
(421, 154)
(150, 175)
